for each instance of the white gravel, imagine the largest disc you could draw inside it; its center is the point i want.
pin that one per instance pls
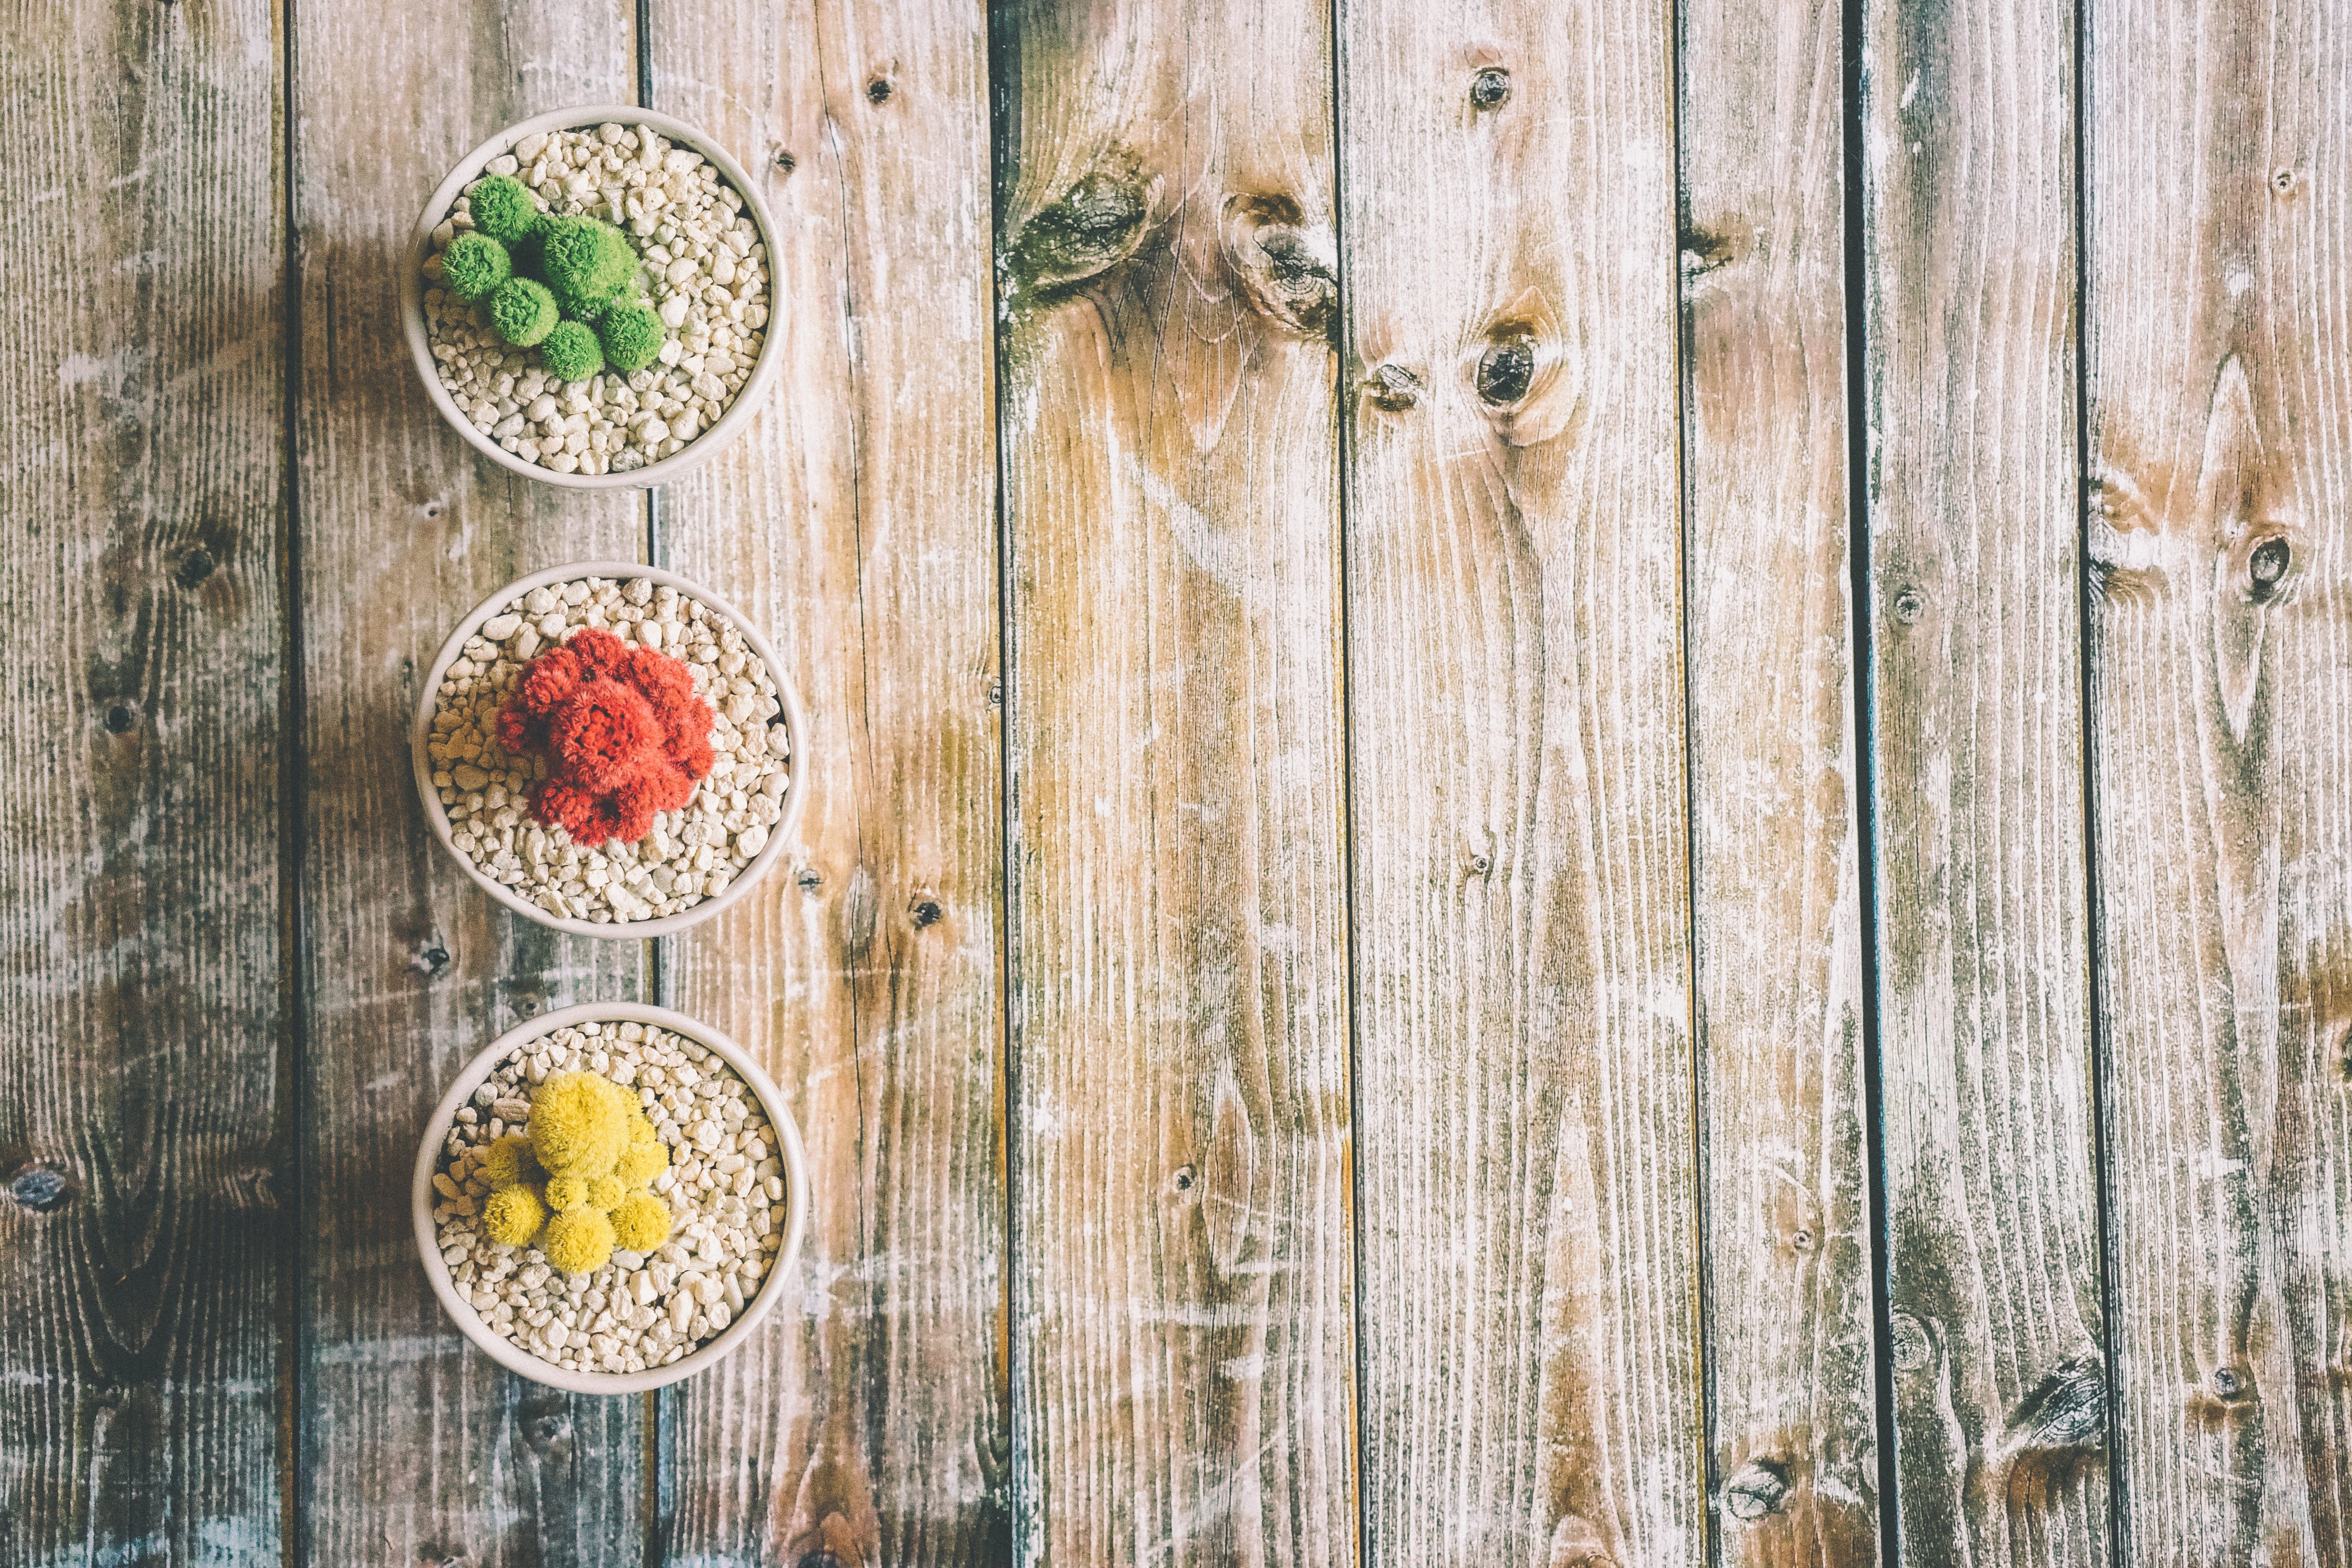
(724, 1189)
(691, 854)
(706, 271)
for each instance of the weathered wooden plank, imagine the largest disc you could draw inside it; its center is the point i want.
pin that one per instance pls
(1181, 1333)
(142, 210)
(1969, 141)
(1527, 1161)
(1775, 872)
(2215, 264)
(411, 1447)
(857, 520)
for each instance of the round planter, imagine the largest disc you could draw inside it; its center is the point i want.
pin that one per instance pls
(790, 1155)
(420, 733)
(412, 298)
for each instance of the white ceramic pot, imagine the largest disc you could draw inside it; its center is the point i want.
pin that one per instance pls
(505, 1352)
(412, 298)
(795, 723)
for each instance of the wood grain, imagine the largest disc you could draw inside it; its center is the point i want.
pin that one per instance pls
(857, 521)
(1991, 1197)
(1776, 880)
(1181, 1334)
(1527, 1156)
(2221, 428)
(412, 1448)
(141, 1124)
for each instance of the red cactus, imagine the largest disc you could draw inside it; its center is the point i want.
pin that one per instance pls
(621, 730)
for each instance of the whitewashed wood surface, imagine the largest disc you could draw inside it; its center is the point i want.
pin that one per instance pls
(1580, 786)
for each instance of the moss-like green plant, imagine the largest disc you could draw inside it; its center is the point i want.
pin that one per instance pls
(524, 313)
(579, 1241)
(586, 259)
(641, 1222)
(586, 310)
(474, 265)
(513, 1214)
(632, 335)
(572, 352)
(502, 208)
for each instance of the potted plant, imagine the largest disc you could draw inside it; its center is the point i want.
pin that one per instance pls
(610, 750)
(588, 297)
(610, 1198)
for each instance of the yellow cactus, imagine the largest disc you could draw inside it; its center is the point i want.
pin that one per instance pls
(579, 1241)
(605, 1193)
(641, 1131)
(513, 1214)
(641, 1163)
(641, 1223)
(579, 1123)
(509, 1159)
(568, 1191)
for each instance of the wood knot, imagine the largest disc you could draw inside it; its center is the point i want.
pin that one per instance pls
(2267, 567)
(430, 960)
(1505, 370)
(194, 567)
(809, 880)
(785, 162)
(1098, 223)
(1911, 1348)
(1183, 1180)
(1286, 272)
(2067, 1409)
(820, 1559)
(39, 1188)
(878, 90)
(121, 717)
(2228, 1383)
(1392, 388)
(2282, 180)
(251, 1187)
(925, 914)
(1520, 375)
(1757, 1488)
(1490, 89)
(1703, 252)
(546, 1426)
(1909, 605)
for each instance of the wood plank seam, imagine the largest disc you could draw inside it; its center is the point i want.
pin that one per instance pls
(1343, 441)
(293, 1262)
(2110, 1391)
(1862, 581)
